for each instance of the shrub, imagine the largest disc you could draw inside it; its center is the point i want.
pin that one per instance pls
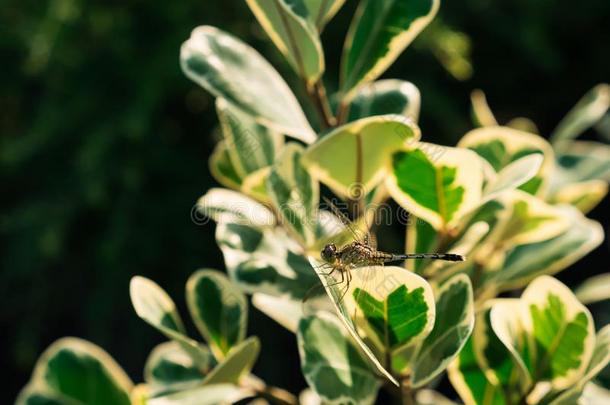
(510, 201)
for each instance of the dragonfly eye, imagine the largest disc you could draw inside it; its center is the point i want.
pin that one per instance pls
(328, 253)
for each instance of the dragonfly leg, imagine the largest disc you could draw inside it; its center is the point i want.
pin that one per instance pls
(349, 279)
(328, 273)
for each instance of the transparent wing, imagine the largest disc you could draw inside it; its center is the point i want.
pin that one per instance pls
(357, 233)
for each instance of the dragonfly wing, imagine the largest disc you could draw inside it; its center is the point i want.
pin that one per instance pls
(343, 305)
(357, 233)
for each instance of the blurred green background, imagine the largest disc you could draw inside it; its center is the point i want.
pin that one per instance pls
(104, 146)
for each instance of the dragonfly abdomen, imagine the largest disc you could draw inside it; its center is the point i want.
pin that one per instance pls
(451, 257)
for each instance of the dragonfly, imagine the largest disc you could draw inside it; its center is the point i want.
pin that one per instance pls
(363, 252)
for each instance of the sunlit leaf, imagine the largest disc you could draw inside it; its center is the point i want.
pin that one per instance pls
(250, 145)
(218, 308)
(237, 363)
(383, 308)
(223, 205)
(386, 97)
(291, 28)
(264, 260)
(559, 330)
(222, 168)
(585, 160)
(514, 175)
(452, 327)
(322, 11)
(294, 193)
(528, 261)
(525, 220)
(154, 306)
(169, 366)
(470, 381)
(594, 289)
(585, 195)
(332, 366)
(284, 311)
(421, 237)
(586, 113)
(436, 183)
(599, 360)
(212, 394)
(379, 33)
(229, 68)
(501, 146)
(255, 185)
(505, 370)
(355, 157)
(74, 371)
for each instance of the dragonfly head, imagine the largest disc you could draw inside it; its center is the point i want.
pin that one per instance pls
(328, 254)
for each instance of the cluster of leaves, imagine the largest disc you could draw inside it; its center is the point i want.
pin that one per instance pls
(506, 198)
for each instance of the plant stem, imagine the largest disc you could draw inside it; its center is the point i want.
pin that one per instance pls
(407, 394)
(317, 93)
(342, 112)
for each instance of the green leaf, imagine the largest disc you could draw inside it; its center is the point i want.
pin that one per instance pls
(237, 363)
(470, 382)
(288, 24)
(222, 168)
(524, 220)
(219, 310)
(586, 113)
(73, 371)
(169, 366)
(501, 146)
(154, 306)
(229, 68)
(505, 371)
(212, 394)
(583, 161)
(421, 237)
(332, 366)
(585, 195)
(255, 185)
(407, 321)
(386, 97)
(379, 33)
(528, 261)
(514, 175)
(453, 325)
(594, 289)
(250, 145)
(397, 320)
(264, 260)
(558, 327)
(322, 11)
(436, 183)
(355, 157)
(229, 206)
(294, 194)
(284, 311)
(599, 360)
